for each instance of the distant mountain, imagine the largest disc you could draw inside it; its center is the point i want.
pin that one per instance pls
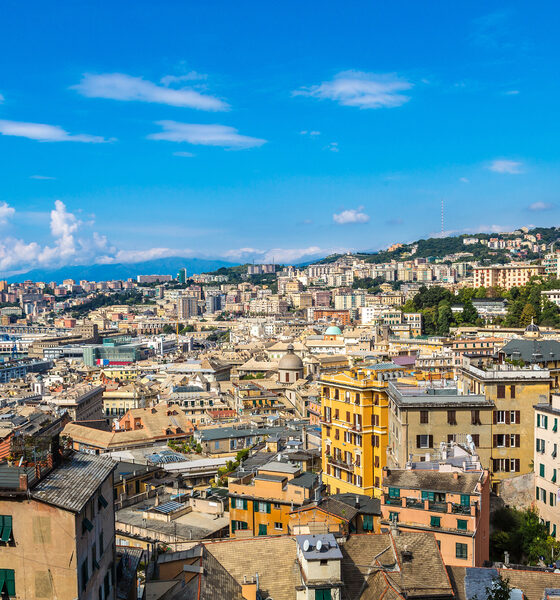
(160, 266)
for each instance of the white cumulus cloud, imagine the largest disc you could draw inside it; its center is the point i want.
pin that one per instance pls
(46, 133)
(6, 212)
(503, 165)
(119, 86)
(351, 215)
(42, 177)
(540, 206)
(363, 90)
(205, 135)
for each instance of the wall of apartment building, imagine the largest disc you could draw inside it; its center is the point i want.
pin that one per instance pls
(49, 547)
(410, 428)
(547, 464)
(354, 425)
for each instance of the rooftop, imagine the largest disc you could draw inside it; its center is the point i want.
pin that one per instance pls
(436, 481)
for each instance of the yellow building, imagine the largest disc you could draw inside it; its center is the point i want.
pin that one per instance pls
(355, 428)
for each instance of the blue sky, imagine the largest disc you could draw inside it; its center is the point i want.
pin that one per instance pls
(134, 130)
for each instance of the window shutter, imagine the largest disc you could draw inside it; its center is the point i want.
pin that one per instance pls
(418, 441)
(517, 465)
(517, 417)
(507, 440)
(268, 506)
(517, 442)
(495, 442)
(495, 417)
(244, 504)
(507, 417)
(495, 465)
(431, 441)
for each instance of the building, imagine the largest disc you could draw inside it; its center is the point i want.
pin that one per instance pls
(182, 275)
(187, 307)
(513, 391)
(82, 403)
(423, 417)
(505, 276)
(452, 503)
(261, 502)
(222, 440)
(116, 352)
(153, 278)
(58, 530)
(354, 428)
(547, 463)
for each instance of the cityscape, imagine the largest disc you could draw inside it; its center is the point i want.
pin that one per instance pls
(287, 327)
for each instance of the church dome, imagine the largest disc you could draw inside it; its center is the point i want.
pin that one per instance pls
(532, 328)
(333, 330)
(290, 361)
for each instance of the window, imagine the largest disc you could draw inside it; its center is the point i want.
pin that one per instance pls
(424, 417)
(277, 505)
(278, 526)
(428, 496)
(241, 503)
(8, 582)
(551, 498)
(347, 417)
(541, 470)
(263, 507)
(6, 529)
(323, 594)
(84, 574)
(394, 492)
(500, 393)
(475, 439)
(512, 391)
(499, 416)
(394, 517)
(101, 502)
(461, 551)
(450, 438)
(424, 441)
(262, 529)
(435, 521)
(367, 523)
(101, 546)
(475, 417)
(452, 417)
(500, 440)
(553, 476)
(336, 434)
(462, 524)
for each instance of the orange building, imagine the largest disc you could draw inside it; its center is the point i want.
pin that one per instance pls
(455, 506)
(330, 314)
(260, 504)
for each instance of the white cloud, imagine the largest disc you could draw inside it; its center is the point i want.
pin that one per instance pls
(205, 135)
(312, 133)
(134, 256)
(239, 253)
(184, 154)
(364, 90)
(502, 165)
(45, 133)
(351, 215)
(333, 147)
(464, 179)
(6, 212)
(511, 92)
(119, 86)
(540, 206)
(191, 76)
(42, 177)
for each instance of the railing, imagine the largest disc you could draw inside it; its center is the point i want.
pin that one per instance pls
(337, 462)
(414, 503)
(437, 506)
(461, 509)
(393, 501)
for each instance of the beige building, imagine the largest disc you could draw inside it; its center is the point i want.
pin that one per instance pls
(58, 531)
(513, 391)
(83, 402)
(547, 463)
(116, 402)
(422, 418)
(505, 276)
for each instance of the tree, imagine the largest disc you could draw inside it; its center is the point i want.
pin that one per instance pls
(527, 315)
(445, 317)
(499, 590)
(469, 313)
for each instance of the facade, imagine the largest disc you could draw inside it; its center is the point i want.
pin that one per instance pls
(422, 418)
(513, 391)
(261, 502)
(82, 403)
(452, 503)
(116, 402)
(505, 276)
(547, 463)
(58, 532)
(355, 428)
(290, 367)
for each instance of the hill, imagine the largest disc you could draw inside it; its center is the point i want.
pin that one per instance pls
(98, 272)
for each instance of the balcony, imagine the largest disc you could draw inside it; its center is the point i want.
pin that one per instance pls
(338, 462)
(437, 506)
(393, 501)
(460, 509)
(415, 503)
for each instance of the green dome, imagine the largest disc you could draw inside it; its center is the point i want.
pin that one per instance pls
(333, 330)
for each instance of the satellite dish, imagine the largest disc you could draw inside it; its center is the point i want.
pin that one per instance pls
(319, 545)
(306, 546)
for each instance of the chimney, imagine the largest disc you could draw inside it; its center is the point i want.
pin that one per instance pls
(23, 482)
(249, 589)
(357, 502)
